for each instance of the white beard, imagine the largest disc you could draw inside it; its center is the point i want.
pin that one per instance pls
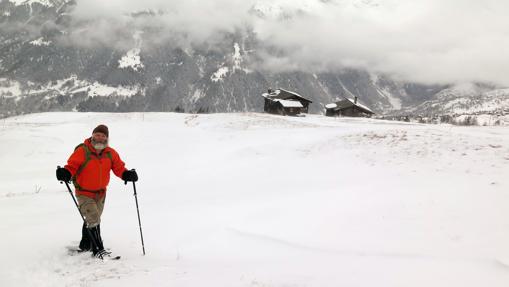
(99, 146)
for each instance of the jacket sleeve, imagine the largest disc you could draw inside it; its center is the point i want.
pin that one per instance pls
(76, 159)
(118, 166)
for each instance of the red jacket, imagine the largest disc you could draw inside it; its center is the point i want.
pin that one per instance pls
(91, 177)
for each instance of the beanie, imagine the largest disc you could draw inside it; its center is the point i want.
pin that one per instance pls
(101, 129)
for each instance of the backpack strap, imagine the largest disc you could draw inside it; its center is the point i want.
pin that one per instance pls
(82, 166)
(87, 158)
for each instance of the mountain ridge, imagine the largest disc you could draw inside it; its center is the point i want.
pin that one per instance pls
(43, 68)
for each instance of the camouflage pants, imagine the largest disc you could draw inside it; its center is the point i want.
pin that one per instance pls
(91, 209)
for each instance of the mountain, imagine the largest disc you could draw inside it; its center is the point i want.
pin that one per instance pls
(466, 99)
(52, 61)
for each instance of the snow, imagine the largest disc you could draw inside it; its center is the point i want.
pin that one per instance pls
(498, 93)
(472, 100)
(485, 103)
(465, 106)
(395, 102)
(236, 65)
(362, 106)
(237, 57)
(97, 89)
(290, 104)
(271, 11)
(376, 203)
(197, 95)
(10, 89)
(281, 9)
(357, 104)
(131, 60)
(219, 74)
(30, 2)
(70, 85)
(40, 42)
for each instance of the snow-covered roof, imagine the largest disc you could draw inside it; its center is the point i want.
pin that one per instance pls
(290, 104)
(293, 93)
(290, 92)
(346, 103)
(273, 93)
(283, 94)
(361, 106)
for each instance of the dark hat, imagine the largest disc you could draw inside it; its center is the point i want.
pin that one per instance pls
(101, 129)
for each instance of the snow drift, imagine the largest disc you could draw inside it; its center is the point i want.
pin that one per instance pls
(262, 200)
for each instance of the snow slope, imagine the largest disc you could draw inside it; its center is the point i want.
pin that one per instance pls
(262, 200)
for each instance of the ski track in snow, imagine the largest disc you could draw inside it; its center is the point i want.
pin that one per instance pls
(262, 200)
(76, 270)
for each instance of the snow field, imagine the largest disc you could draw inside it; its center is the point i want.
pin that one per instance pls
(261, 200)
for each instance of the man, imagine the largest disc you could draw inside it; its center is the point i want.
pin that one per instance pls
(89, 168)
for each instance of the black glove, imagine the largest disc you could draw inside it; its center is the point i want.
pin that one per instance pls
(63, 174)
(130, 175)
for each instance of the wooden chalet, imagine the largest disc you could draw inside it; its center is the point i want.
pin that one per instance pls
(283, 102)
(348, 108)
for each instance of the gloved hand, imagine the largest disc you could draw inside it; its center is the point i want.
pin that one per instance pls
(63, 174)
(130, 175)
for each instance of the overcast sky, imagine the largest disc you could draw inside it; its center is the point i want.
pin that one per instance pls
(429, 41)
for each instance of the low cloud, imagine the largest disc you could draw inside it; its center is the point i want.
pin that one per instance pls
(184, 21)
(427, 41)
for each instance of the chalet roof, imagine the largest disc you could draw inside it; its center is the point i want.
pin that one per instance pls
(347, 103)
(290, 103)
(284, 95)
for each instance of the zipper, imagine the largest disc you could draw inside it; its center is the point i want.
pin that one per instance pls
(100, 171)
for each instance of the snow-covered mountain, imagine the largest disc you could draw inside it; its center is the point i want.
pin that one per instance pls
(47, 3)
(466, 99)
(50, 62)
(285, 9)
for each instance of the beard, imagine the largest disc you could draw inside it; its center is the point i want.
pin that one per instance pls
(99, 145)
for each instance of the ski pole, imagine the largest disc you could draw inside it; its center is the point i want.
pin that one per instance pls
(83, 218)
(139, 220)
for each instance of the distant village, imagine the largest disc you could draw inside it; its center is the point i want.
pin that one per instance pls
(288, 103)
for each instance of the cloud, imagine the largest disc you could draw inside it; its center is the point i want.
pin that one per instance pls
(427, 41)
(189, 21)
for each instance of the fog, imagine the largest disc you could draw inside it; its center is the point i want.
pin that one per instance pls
(426, 41)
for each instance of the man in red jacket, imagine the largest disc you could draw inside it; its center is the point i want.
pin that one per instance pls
(89, 168)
